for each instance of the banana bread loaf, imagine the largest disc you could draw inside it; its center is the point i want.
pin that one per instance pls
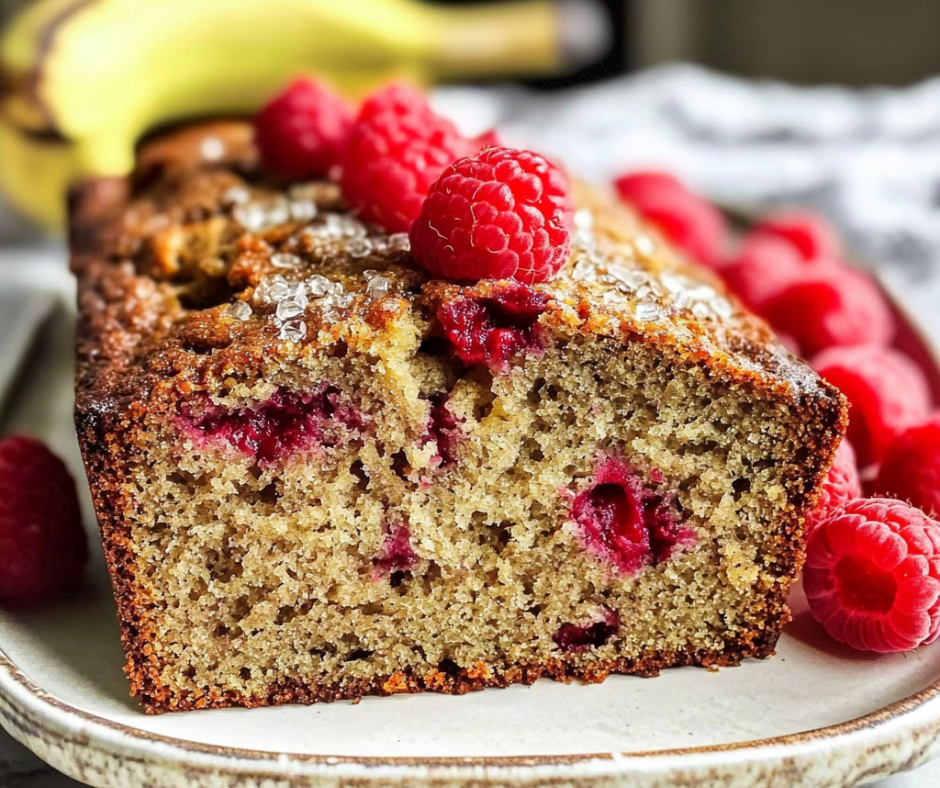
(319, 474)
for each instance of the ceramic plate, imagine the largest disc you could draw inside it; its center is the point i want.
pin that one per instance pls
(815, 715)
(22, 311)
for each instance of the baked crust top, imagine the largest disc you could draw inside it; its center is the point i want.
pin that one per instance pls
(197, 267)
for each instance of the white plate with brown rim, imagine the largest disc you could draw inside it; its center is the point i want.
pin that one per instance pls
(815, 715)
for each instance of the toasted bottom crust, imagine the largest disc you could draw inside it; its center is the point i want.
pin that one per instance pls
(757, 645)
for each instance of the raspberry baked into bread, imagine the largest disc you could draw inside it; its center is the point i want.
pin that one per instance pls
(321, 474)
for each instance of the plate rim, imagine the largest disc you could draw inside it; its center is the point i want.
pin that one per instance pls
(897, 737)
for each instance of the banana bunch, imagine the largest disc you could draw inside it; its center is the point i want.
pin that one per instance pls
(82, 80)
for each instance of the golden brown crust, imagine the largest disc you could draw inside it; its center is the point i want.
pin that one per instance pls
(154, 328)
(481, 676)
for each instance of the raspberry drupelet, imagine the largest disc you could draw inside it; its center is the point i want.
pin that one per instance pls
(834, 306)
(689, 221)
(809, 234)
(395, 150)
(764, 265)
(43, 548)
(886, 390)
(842, 485)
(635, 185)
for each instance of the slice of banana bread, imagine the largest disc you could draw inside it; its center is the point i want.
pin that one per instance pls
(319, 475)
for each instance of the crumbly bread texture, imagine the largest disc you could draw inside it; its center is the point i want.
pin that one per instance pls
(319, 475)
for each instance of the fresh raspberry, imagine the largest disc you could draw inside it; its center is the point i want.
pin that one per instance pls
(690, 222)
(835, 306)
(911, 468)
(488, 139)
(763, 266)
(841, 486)
(396, 149)
(300, 131)
(632, 186)
(501, 214)
(43, 548)
(811, 235)
(872, 576)
(886, 390)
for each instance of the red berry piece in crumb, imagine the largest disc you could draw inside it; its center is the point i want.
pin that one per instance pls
(299, 133)
(396, 149)
(622, 521)
(690, 222)
(872, 576)
(811, 235)
(835, 306)
(397, 555)
(634, 185)
(911, 468)
(886, 390)
(500, 214)
(763, 266)
(491, 329)
(578, 638)
(43, 547)
(287, 423)
(841, 486)
(444, 431)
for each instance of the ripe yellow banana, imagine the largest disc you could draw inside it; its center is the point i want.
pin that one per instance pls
(87, 78)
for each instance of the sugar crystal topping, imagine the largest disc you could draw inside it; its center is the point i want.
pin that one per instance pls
(377, 286)
(303, 210)
(282, 260)
(648, 295)
(358, 247)
(399, 241)
(291, 299)
(291, 289)
(236, 195)
(257, 216)
(240, 310)
(293, 330)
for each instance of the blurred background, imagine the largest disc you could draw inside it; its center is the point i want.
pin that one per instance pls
(855, 42)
